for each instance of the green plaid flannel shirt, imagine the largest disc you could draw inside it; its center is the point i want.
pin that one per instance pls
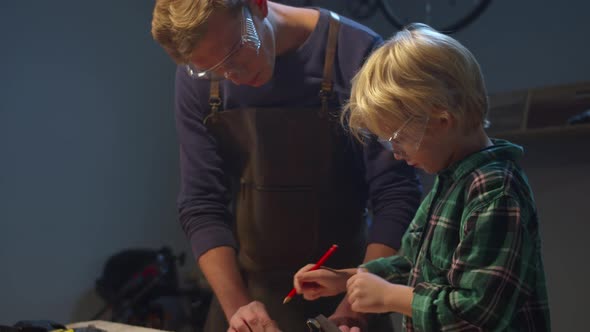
(473, 251)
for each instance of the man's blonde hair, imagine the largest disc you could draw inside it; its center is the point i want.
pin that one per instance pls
(416, 71)
(178, 25)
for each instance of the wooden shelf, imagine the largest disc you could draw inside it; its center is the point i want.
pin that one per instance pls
(561, 131)
(540, 112)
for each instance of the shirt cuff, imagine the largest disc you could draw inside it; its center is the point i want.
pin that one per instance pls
(424, 308)
(379, 266)
(211, 237)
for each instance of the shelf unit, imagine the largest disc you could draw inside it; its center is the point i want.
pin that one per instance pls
(539, 112)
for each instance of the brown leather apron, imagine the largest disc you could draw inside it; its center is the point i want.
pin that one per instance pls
(296, 196)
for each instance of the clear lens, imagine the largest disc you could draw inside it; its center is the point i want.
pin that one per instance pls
(202, 75)
(407, 139)
(249, 40)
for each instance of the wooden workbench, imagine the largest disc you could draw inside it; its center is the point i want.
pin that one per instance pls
(111, 327)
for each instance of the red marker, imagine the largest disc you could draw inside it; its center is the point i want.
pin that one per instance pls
(315, 267)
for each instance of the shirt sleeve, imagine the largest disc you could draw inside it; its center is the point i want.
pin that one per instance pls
(204, 190)
(395, 269)
(487, 276)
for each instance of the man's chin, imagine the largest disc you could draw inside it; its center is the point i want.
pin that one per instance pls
(260, 80)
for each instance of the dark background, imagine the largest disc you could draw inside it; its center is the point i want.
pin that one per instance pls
(89, 158)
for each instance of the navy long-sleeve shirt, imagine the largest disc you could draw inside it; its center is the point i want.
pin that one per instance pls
(390, 188)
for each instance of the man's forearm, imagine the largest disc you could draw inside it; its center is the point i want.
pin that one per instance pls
(219, 265)
(378, 250)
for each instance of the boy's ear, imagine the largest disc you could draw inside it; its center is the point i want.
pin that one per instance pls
(444, 119)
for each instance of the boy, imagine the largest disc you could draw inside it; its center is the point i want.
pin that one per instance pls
(471, 258)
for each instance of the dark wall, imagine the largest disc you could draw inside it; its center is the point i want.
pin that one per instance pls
(88, 152)
(89, 159)
(519, 44)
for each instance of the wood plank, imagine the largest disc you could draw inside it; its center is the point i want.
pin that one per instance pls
(111, 327)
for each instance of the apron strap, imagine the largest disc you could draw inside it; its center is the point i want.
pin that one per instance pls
(214, 100)
(327, 83)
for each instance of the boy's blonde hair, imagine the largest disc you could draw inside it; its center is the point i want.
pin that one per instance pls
(416, 71)
(178, 25)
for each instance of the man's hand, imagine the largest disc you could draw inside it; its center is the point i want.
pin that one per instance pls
(348, 320)
(345, 328)
(369, 293)
(252, 318)
(320, 283)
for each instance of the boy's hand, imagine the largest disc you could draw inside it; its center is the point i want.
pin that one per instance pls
(368, 292)
(319, 283)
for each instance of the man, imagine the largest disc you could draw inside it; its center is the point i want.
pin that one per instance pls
(269, 180)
